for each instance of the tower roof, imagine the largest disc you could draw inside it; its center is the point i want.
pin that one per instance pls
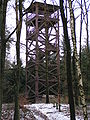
(41, 7)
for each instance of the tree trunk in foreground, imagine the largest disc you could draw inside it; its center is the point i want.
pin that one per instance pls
(68, 62)
(76, 91)
(17, 77)
(3, 7)
(80, 83)
(87, 42)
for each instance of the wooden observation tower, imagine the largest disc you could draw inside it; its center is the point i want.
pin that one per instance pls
(42, 50)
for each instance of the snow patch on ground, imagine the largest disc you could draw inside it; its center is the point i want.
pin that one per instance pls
(51, 112)
(42, 111)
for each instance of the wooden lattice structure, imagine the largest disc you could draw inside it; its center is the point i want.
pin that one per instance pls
(42, 50)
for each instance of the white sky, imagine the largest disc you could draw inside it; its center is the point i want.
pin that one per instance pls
(11, 23)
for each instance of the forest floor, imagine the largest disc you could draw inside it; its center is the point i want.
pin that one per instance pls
(41, 111)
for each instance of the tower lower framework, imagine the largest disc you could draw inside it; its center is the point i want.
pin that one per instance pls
(42, 51)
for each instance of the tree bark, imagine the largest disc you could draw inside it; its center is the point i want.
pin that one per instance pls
(68, 62)
(3, 7)
(0, 59)
(18, 33)
(80, 34)
(16, 112)
(75, 82)
(87, 42)
(80, 83)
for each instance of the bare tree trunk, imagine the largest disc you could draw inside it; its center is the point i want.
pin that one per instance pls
(18, 33)
(16, 112)
(75, 82)
(87, 43)
(68, 62)
(3, 7)
(0, 59)
(80, 34)
(80, 83)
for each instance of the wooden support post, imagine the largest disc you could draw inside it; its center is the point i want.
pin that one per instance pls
(46, 54)
(58, 60)
(37, 79)
(26, 58)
